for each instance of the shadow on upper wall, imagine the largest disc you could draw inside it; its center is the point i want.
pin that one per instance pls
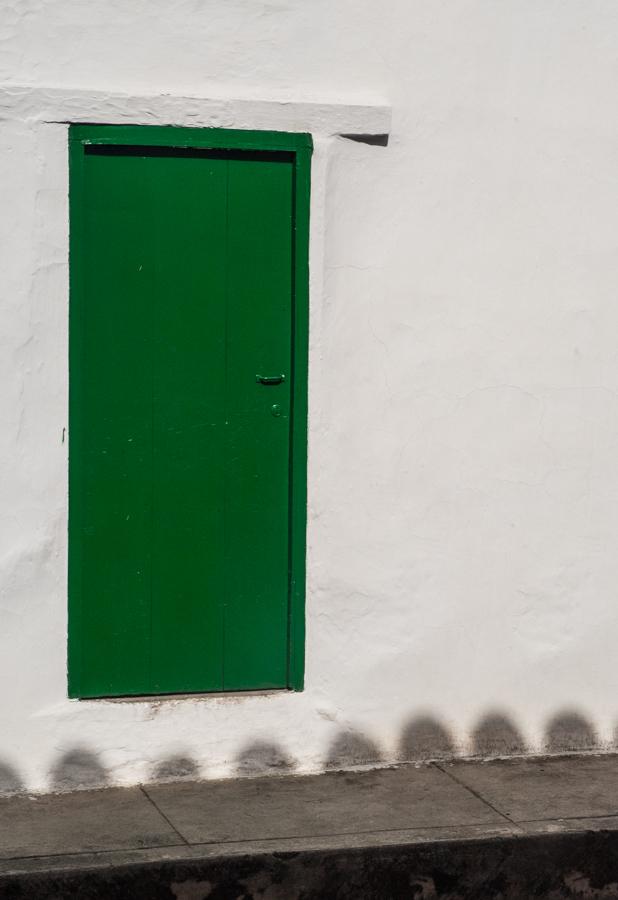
(10, 780)
(178, 767)
(374, 140)
(78, 769)
(351, 748)
(423, 738)
(263, 758)
(497, 735)
(570, 731)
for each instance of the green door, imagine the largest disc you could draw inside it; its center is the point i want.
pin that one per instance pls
(182, 371)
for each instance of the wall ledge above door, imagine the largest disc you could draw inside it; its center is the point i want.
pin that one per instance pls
(40, 104)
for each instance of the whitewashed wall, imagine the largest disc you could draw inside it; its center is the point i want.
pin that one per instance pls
(463, 469)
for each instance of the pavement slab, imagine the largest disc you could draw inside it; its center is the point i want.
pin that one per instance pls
(333, 803)
(81, 821)
(527, 790)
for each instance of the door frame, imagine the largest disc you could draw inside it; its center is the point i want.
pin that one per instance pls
(300, 145)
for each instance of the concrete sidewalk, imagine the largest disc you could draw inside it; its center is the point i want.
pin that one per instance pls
(507, 829)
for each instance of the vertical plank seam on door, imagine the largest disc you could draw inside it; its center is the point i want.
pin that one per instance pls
(153, 304)
(78, 198)
(80, 493)
(226, 429)
(291, 426)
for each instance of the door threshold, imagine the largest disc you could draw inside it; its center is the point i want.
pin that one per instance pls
(206, 695)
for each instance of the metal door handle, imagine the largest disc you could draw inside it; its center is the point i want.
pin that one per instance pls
(270, 379)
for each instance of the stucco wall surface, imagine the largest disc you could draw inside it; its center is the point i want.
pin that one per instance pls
(462, 592)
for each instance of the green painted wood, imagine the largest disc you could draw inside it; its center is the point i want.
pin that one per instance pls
(189, 416)
(184, 287)
(178, 136)
(115, 431)
(259, 342)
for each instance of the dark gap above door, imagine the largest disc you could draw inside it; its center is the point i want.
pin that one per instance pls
(283, 156)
